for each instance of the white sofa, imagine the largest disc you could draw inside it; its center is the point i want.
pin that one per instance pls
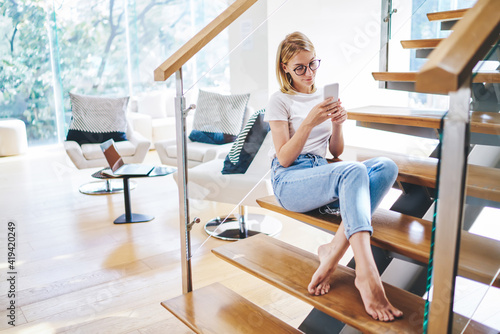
(197, 153)
(206, 182)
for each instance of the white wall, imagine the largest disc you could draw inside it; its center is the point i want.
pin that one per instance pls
(346, 35)
(248, 36)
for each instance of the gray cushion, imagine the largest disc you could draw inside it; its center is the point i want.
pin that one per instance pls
(218, 118)
(97, 119)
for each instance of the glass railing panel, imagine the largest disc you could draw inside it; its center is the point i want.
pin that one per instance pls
(228, 81)
(482, 206)
(475, 287)
(247, 66)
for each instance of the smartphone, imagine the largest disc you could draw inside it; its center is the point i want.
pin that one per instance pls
(332, 90)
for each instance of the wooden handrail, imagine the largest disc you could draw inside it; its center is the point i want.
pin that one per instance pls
(195, 44)
(451, 63)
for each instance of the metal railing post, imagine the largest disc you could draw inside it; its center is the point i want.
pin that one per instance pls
(185, 237)
(385, 31)
(450, 208)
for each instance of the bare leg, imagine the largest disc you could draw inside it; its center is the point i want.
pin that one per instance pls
(368, 281)
(329, 256)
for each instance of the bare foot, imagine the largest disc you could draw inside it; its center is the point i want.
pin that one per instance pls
(373, 296)
(328, 260)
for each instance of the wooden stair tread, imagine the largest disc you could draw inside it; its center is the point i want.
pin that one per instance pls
(412, 169)
(447, 15)
(482, 182)
(398, 116)
(479, 258)
(489, 77)
(430, 43)
(217, 309)
(485, 122)
(480, 121)
(290, 269)
(409, 236)
(393, 231)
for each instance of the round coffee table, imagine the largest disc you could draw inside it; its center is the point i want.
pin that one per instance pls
(128, 217)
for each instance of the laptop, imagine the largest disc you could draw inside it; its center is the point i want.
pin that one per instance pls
(117, 165)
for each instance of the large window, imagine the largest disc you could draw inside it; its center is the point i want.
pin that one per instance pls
(108, 48)
(26, 79)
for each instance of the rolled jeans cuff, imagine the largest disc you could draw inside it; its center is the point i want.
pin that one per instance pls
(349, 234)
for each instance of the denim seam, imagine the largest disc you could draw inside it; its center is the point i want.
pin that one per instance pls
(309, 177)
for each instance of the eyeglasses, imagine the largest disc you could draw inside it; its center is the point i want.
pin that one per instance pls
(301, 69)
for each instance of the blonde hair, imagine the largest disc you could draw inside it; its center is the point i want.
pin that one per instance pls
(288, 48)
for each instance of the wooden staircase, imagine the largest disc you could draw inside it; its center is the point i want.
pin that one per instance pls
(290, 269)
(216, 309)
(411, 237)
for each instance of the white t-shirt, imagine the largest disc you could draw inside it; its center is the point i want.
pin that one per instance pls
(294, 109)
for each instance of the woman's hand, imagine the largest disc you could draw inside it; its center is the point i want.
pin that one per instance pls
(339, 114)
(320, 113)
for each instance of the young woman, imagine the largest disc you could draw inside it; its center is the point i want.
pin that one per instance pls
(303, 127)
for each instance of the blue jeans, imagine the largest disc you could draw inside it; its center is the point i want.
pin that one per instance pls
(357, 187)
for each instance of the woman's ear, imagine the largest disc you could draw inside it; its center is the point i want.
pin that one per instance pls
(283, 66)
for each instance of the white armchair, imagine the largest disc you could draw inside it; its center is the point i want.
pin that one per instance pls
(94, 119)
(133, 150)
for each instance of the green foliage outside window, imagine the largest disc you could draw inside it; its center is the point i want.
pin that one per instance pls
(25, 70)
(95, 47)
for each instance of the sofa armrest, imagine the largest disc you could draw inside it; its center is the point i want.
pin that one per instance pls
(141, 144)
(217, 152)
(74, 151)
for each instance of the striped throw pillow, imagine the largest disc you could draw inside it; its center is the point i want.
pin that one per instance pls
(246, 145)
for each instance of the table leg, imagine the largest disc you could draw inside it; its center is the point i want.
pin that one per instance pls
(130, 217)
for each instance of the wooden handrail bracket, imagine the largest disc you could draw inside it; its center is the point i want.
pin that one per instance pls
(195, 44)
(452, 62)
